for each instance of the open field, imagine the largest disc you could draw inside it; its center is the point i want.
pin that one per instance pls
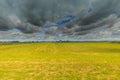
(60, 61)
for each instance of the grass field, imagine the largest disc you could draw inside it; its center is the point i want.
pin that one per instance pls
(60, 61)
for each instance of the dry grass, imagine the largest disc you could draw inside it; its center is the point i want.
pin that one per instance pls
(60, 61)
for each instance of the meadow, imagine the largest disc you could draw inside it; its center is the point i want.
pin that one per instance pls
(60, 61)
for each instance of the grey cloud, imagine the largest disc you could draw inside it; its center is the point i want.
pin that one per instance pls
(29, 15)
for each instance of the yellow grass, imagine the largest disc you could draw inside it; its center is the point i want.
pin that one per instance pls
(60, 61)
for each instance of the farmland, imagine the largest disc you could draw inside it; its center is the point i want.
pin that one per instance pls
(60, 61)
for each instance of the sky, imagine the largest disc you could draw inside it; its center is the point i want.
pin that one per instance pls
(50, 20)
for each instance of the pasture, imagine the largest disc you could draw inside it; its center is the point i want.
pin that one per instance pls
(60, 61)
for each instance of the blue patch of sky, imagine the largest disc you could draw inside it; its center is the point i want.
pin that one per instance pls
(16, 30)
(67, 20)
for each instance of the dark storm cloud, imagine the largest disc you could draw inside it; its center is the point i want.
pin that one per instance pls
(3, 25)
(105, 12)
(29, 15)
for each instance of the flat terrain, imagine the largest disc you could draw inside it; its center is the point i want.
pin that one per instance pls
(60, 61)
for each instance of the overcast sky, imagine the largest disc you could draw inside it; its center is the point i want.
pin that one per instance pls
(23, 20)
